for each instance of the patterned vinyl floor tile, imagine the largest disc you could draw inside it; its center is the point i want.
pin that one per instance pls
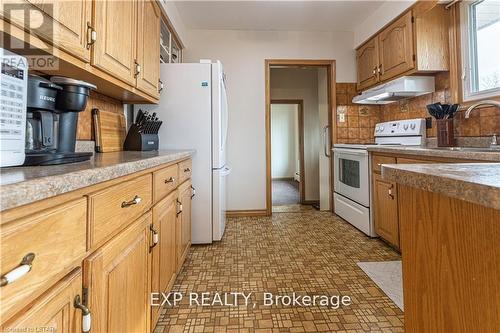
(306, 252)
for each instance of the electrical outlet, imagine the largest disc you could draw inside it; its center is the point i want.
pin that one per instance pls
(342, 118)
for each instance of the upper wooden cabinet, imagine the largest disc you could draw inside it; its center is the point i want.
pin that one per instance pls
(396, 47)
(64, 22)
(114, 49)
(367, 60)
(415, 42)
(148, 47)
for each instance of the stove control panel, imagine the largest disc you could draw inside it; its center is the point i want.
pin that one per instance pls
(408, 127)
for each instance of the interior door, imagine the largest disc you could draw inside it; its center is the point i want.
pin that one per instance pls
(115, 46)
(396, 48)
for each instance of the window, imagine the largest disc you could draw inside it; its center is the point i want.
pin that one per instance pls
(480, 22)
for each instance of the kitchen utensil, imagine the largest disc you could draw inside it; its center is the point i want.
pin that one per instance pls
(445, 135)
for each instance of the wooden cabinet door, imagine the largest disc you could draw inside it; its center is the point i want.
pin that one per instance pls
(367, 64)
(64, 23)
(54, 310)
(396, 47)
(117, 276)
(148, 47)
(115, 47)
(385, 202)
(163, 254)
(183, 230)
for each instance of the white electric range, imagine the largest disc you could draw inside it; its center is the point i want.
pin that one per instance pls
(351, 172)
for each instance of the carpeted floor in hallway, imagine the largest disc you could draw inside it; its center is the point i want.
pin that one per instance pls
(307, 252)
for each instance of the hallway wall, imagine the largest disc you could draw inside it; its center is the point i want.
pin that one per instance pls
(284, 140)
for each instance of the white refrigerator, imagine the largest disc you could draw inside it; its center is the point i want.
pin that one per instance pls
(193, 108)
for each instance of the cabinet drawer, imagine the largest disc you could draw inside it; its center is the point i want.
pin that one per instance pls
(377, 162)
(185, 170)
(165, 181)
(56, 237)
(115, 207)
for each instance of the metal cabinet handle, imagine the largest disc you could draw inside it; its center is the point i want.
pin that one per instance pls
(374, 72)
(169, 180)
(179, 206)
(86, 317)
(91, 36)
(390, 191)
(154, 236)
(160, 86)
(193, 192)
(325, 141)
(380, 68)
(18, 272)
(187, 170)
(137, 68)
(137, 199)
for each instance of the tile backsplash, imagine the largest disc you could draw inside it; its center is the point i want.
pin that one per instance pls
(483, 122)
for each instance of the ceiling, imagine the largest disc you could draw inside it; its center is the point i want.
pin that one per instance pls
(275, 15)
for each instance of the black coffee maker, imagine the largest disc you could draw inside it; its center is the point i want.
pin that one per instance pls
(52, 118)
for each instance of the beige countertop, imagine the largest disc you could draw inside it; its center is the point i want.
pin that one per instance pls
(493, 156)
(23, 185)
(473, 182)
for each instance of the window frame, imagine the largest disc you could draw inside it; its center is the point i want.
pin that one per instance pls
(468, 47)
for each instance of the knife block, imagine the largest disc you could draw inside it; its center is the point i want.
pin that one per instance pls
(139, 141)
(445, 135)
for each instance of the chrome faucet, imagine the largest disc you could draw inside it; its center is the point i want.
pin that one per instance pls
(485, 102)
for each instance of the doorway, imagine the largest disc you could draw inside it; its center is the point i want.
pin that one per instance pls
(314, 179)
(287, 155)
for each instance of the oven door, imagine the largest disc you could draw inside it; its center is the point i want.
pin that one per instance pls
(351, 174)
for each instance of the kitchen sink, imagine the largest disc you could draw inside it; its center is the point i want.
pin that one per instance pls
(471, 149)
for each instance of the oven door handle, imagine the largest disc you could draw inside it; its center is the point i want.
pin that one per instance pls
(347, 151)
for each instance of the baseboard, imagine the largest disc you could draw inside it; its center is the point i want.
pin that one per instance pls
(246, 213)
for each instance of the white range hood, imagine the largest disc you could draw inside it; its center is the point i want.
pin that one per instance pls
(396, 90)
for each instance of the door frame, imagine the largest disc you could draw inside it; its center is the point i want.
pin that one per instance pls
(302, 177)
(332, 105)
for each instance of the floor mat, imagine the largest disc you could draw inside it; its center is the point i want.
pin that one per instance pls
(388, 275)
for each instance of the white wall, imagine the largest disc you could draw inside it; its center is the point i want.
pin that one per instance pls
(380, 17)
(284, 140)
(297, 83)
(243, 54)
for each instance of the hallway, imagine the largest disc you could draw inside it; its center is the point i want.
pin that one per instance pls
(285, 192)
(309, 252)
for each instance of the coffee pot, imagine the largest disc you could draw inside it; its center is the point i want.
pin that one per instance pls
(52, 118)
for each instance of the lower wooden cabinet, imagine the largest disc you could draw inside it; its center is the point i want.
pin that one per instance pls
(117, 276)
(183, 229)
(163, 265)
(54, 311)
(385, 206)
